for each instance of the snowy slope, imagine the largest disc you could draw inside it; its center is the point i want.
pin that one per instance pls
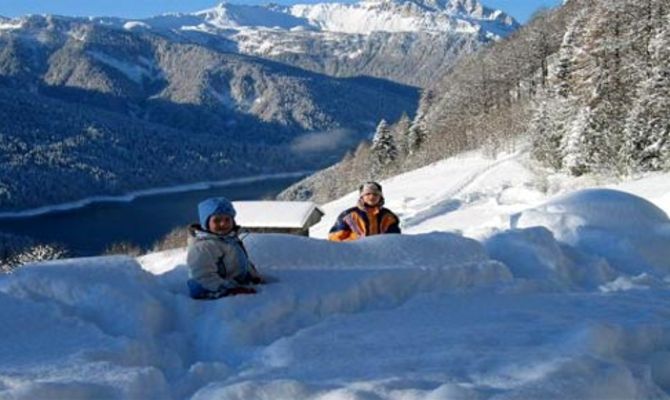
(507, 286)
(473, 194)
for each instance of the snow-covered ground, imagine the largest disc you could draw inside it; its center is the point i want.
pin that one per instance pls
(506, 286)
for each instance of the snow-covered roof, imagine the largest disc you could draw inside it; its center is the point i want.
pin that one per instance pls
(274, 214)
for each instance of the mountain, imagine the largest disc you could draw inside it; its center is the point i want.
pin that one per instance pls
(135, 73)
(407, 41)
(363, 17)
(61, 77)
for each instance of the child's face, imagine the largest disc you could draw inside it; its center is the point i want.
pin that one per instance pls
(371, 199)
(220, 224)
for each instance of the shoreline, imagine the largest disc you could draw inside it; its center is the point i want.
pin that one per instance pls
(127, 198)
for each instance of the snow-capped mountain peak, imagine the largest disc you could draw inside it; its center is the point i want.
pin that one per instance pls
(364, 17)
(350, 38)
(232, 16)
(454, 6)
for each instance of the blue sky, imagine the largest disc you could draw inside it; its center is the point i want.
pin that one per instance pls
(519, 9)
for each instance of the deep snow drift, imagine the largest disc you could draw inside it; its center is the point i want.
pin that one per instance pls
(496, 292)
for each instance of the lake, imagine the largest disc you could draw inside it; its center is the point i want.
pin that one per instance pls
(90, 229)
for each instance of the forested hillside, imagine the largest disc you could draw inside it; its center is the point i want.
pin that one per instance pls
(587, 85)
(53, 151)
(88, 109)
(607, 106)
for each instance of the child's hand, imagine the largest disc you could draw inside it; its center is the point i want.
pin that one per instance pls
(240, 290)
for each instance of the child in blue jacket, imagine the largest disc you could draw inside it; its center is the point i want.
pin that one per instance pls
(217, 261)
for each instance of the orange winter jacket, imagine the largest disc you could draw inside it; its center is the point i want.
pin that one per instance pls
(358, 222)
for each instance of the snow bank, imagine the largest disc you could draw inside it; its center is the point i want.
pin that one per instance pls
(426, 251)
(85, 328)
(99, 327)
(534, 255)
(632, 234)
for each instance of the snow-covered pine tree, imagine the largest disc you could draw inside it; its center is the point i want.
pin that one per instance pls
(401, 134)
(556, 107)
(545, 139)
(607, 69)
(574, 149)
(418, 130)
(417, 135)
(647, 133)
(564, 70)
(383, 150)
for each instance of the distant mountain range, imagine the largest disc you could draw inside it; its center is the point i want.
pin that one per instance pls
(407, 41)
(242, 89)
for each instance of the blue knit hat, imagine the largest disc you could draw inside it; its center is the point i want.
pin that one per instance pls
(214, 205)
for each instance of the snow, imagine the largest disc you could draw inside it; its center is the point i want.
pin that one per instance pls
(499, 289)
(321, 19)
(355, 19)
(630, 232)
(9, 24)
(227, 16)
(274, 214)
(134, 71)
(367, 17)
(131, 25)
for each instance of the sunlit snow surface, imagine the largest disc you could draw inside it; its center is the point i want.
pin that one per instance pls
(498, 290)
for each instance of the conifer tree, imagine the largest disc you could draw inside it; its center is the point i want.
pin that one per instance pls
(575, 158)
(383, 150)
(416, 136)
(545, 140)
(555, 108)
(606, 72)
(418, 130)
(647, 133)
(401, 133)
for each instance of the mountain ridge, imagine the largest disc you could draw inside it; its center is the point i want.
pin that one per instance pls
(382, 15)
(337, 39)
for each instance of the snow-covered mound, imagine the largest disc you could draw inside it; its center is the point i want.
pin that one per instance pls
(628, 231)
(596, 208)
(534, 255)
(525, 297)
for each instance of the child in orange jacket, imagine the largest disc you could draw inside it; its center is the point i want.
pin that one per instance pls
(367, 218)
